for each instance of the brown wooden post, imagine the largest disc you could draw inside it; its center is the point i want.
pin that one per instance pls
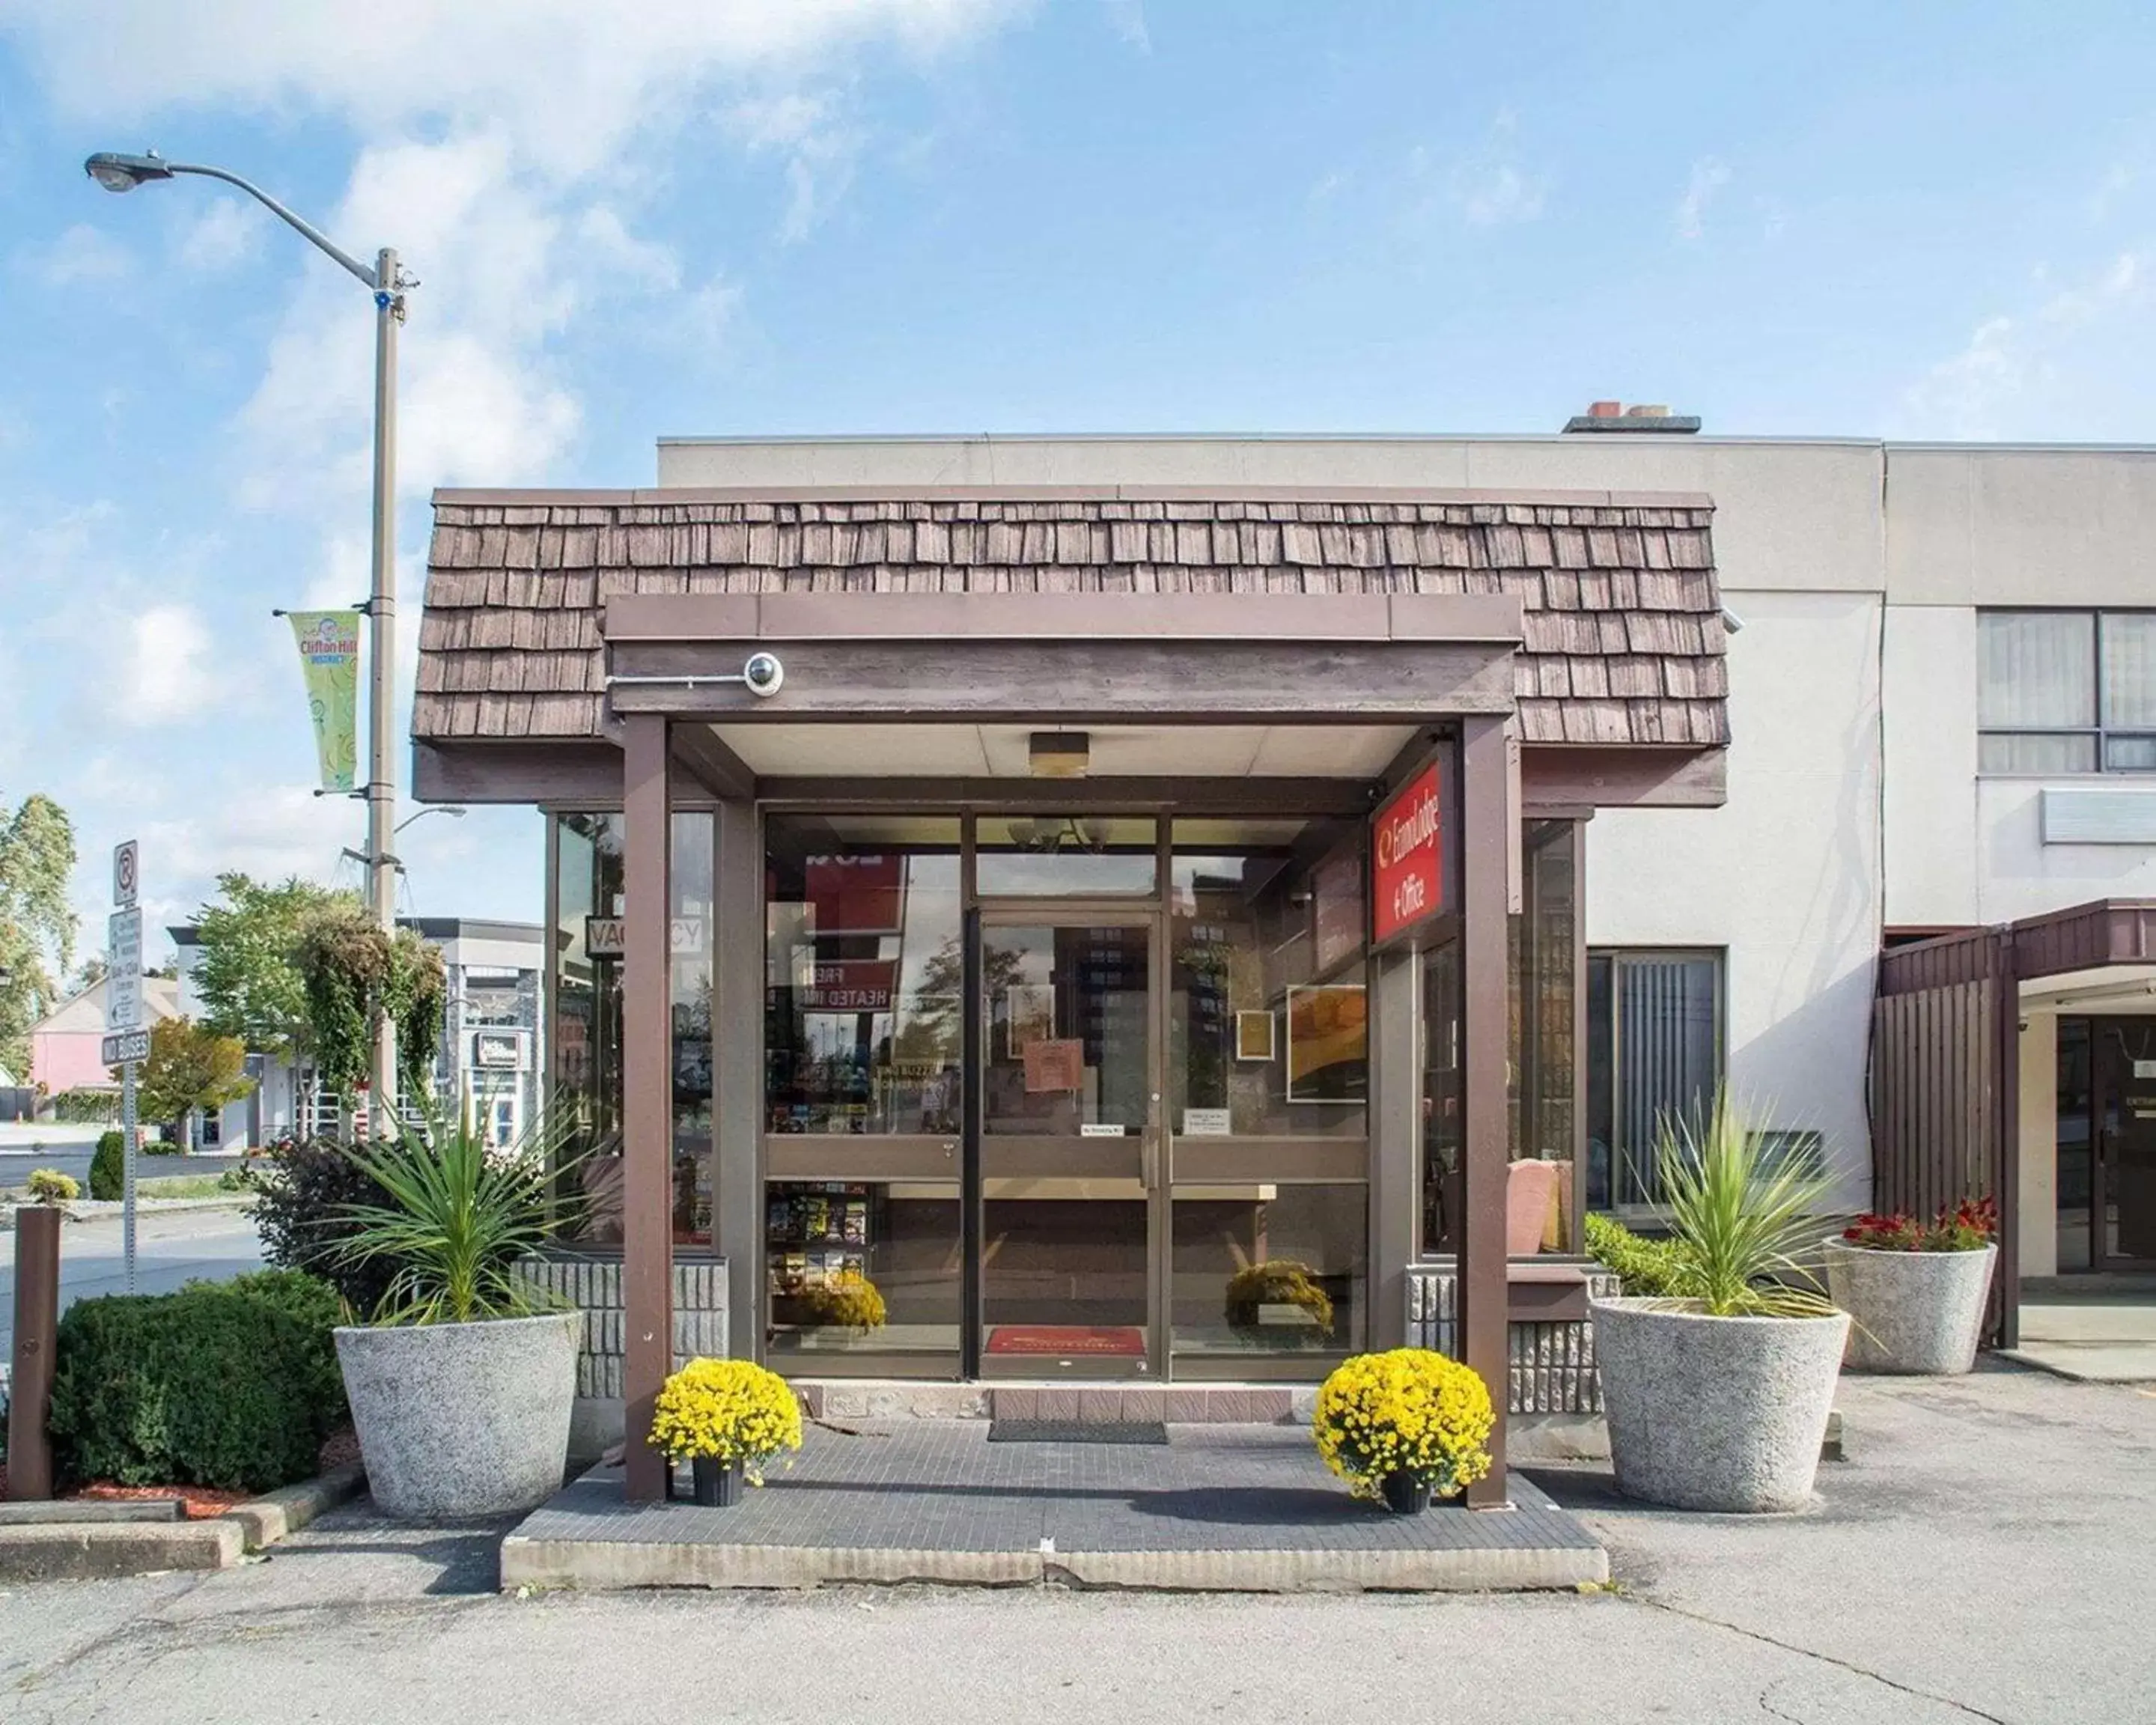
(37, 1326)
(647, 1012)
(1484, 813)
(2006, 1028)
(737, 1071)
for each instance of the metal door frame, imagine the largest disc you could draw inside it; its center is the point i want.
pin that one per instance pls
(1149, 913)
(2107, 1084)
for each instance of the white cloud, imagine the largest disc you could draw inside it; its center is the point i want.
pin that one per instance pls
(83, 254)
(500, 139)
(1708, 176)
(2033, 372)
(567, 81)
(1492, 185)
(227, 232)
(819, 146)
(1127, 19)
(167, 672)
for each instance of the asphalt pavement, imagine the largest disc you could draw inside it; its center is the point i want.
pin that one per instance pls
(170, 1247)
(1985, 1555)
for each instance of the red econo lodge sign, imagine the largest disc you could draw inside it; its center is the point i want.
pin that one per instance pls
(1407, 857)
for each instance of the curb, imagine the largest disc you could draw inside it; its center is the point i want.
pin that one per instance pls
(102, 1550)
(601, 1566)
(80, 1210)
(263, 1521)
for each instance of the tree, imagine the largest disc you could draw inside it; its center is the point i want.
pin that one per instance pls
(88, 974)
(37, 927)
(249, 976)
(190, 1067)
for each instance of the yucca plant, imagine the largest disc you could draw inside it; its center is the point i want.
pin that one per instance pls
(460, 1213)
(1738, 1216)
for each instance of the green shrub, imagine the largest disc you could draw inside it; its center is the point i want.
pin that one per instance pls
(108, 1168)
(1651, 1268)
(49, 1185)
(231, 1384)
(236, 1179)
(304, 1214)
(87, 1107)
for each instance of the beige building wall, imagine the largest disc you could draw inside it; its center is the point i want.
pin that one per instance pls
(2039, 1187)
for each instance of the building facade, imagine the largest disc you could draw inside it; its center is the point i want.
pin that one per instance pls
(488, 1062)
(1036, 990)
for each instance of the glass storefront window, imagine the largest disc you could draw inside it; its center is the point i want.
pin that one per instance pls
(857, 1267)
(589, 902)
(1065, 855)
(1543, 990)
(1269, 1268)
(1268, 1032)
(863, 977)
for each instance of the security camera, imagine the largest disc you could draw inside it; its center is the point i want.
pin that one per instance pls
(763, 674)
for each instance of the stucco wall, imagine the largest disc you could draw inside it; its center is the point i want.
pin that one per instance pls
(1787, 514)
(1785, 875)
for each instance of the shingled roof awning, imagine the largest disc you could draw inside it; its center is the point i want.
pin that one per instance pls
(1622, 633)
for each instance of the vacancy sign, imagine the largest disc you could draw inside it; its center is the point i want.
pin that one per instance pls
(1407, 857)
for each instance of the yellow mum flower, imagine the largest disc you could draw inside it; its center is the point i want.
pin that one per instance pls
(1408, 1411)
(731, 1410)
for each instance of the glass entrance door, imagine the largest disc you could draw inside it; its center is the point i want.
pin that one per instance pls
(2124, 1212)
(1070, 1144)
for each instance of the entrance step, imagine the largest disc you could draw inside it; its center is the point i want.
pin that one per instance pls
(1177, 1405)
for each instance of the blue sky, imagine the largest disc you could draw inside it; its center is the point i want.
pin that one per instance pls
(804, 216)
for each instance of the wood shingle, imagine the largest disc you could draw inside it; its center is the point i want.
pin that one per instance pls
(1624, 641)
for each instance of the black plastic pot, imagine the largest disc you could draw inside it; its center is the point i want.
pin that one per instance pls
(1405, 1495)
(715, 1483)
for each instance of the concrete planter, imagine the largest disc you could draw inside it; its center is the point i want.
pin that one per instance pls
(458, 1422)
(1724, 1414)
(1910, 1311)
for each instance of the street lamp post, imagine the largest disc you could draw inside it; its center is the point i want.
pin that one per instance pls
(387, 283)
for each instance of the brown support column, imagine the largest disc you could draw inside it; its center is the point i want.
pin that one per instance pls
(1395, 985)
(647, 1012)
(1484, 847)
(2006, 1023)
(738, 1071)
(37, 1329)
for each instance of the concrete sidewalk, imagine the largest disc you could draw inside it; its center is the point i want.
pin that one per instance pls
(2098, 1339)
(1239, 1508)
(1984, 1527)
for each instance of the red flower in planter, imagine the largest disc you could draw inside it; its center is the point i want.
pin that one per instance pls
(1968, 1227)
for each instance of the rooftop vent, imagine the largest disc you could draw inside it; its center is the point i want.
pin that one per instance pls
(1615, 416)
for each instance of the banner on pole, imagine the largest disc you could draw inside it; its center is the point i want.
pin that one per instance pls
(329, 657)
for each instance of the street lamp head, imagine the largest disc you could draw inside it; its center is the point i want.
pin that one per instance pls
(123, 173)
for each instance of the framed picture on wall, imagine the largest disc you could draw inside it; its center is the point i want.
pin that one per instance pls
(1328, 1050)
(1254, 1037)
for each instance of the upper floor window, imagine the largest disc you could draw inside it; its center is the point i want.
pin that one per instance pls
(2066, 691)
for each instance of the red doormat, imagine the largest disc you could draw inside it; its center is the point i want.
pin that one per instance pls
(1065, 1340)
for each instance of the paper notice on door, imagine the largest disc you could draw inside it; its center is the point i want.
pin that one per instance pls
(1054, 1063)
(2144, 1069)
(1097, 1129)
(1205, 1123)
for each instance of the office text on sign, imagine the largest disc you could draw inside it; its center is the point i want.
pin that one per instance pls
(1407, 856)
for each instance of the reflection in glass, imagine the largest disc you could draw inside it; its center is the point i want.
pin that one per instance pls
(864, 980)
(1065, 855)
(1268, 1268)
(1064, 1254)
(1267, 1032)
(863, 1268)
(1541, 996)
(588, 905)
(1066, 1018)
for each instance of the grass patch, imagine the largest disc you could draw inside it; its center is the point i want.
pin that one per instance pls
(180, 1186)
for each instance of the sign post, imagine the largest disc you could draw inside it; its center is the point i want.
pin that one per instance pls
(123, 1015)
